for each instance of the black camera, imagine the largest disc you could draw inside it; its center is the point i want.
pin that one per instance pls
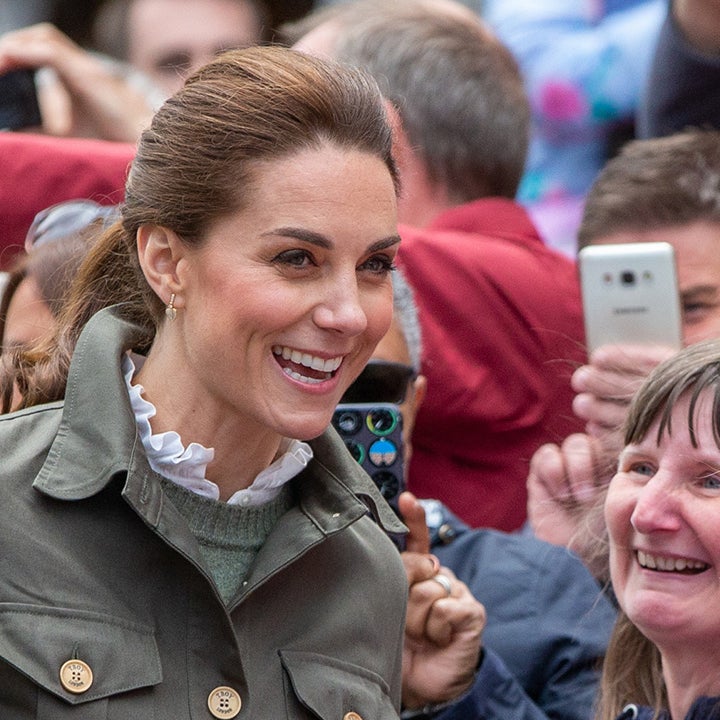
(19, 106)
(373, 434)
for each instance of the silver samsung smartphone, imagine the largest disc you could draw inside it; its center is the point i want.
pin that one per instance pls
(630, 294)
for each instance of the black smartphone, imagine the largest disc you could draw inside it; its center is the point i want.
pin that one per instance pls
(19, 106)
(373, 434)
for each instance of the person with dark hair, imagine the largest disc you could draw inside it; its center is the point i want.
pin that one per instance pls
(663, 189)
(663, 521)
(201, 540)
(500, 311)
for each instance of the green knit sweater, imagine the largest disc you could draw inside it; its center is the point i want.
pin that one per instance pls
(229, 535)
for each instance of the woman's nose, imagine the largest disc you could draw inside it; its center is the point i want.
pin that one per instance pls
(341, 309)
(658, 507)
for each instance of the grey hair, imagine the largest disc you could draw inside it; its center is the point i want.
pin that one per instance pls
(406, 314)
(457, 89)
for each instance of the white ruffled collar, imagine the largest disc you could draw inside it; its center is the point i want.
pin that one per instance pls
(186, 466)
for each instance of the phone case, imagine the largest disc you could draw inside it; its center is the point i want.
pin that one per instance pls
(373, 434)
(630, 294)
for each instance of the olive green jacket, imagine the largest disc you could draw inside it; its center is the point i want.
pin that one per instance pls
(98, 568)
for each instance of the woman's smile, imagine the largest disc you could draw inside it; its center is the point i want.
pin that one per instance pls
(304, 366)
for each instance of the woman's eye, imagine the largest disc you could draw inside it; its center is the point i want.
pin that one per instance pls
(711, 481)
(294, 258)
(642, 468)
(379, 264)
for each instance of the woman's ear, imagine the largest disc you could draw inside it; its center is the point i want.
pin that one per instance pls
(160, 250)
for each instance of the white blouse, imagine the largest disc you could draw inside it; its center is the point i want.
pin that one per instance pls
(186, 465)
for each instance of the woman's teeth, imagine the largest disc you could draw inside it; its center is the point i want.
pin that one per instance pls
(323, 368)
(666, 564)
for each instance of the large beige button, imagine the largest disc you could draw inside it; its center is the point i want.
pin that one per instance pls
(352, 716)
(76, 676)
(224, 702)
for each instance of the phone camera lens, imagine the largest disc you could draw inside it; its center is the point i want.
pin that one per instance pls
(381, 421)
(627, 277)
(348, 422)
(356, 450)
(387, 483)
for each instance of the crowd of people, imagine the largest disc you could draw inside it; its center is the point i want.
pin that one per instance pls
(225, 225)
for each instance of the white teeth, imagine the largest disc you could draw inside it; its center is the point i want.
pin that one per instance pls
(301, 378)
(666, 564)
(306, 360)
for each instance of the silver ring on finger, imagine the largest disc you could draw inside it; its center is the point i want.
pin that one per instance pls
(444, 582)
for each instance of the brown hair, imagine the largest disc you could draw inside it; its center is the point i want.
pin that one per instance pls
(195, 164)
(632, 671)
(656, 183)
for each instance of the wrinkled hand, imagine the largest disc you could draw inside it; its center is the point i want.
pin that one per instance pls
(442, 633)
(607, 383)
(84, 96)
(565, 486)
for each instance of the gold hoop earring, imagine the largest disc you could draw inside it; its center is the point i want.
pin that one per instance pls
(170, 311)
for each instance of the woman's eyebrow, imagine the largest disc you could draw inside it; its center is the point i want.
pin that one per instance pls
(320, 240)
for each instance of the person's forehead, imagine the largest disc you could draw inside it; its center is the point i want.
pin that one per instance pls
(696, 245)
(171, 22)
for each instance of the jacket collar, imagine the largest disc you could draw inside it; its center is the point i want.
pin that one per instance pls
(97, 438)
(97, 431)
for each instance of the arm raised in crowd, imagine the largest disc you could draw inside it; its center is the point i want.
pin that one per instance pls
(81, 94)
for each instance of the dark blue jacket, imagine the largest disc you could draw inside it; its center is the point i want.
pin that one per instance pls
(704, 708)
(548, 623)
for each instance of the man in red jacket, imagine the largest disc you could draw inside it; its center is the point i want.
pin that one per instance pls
(500, 311)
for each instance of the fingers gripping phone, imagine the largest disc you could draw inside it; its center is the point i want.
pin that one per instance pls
(630, 294)
(19, 106)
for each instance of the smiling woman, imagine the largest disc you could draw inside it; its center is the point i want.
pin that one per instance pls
(200, 539)
(663, 516)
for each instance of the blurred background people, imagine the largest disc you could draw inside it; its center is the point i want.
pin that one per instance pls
(142, 50)
(500, 311)
(584, 64)
(169, 39)
(664, 189)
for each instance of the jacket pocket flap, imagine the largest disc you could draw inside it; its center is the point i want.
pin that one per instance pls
(38, 640)
(331, 688)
